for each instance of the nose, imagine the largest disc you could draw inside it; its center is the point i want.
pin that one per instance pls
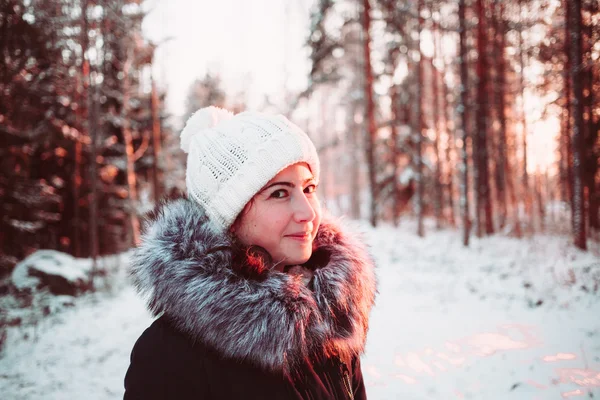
(302, 208)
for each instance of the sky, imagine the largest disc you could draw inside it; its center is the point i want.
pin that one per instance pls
(256, 47)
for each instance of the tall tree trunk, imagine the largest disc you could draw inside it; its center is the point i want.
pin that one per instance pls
(93, 133)
(370, 112)
(508, 169)
(568, 117)
(567, 161)
(355, 163)
(438, 202)
(129, 152)
(539, 198)
(156, 143)
(77, 178)
(579, 233)
(477, 144)
(394, 56)
(76, 186)
(567, 146)
(420, 128)
(395, 152)
(525, 175)
(484, 203)
(450, 143)
(464, 122)
(435, 95)
(502, 167)
(590, 133)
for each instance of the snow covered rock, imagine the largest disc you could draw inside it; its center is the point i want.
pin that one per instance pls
(57, 271)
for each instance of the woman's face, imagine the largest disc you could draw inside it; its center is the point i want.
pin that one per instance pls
(283, 217)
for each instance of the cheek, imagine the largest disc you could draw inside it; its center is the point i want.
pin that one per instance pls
(249, 227)
(275, 225)
(262, 227)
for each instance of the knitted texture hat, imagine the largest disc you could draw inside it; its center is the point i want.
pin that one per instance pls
(231, 157)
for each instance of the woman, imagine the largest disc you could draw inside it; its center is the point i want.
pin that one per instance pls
(257, 295)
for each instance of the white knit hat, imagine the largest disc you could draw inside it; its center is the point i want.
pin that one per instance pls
(231, 157)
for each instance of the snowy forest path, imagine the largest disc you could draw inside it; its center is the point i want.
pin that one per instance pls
(80, 354)
(488, 322)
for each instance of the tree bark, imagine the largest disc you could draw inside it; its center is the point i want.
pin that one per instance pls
(394, 57)
(502, 167)
(76, 187)
(156, 144)
(590, 133)
(464, 122)
(370, 112)
(525, 175)
(129, 152)
(420, 128)
(395, 152)
(579, 233)
(437, 181)
(355, 192)
(566, 153)
(92, 131)
(484, 202)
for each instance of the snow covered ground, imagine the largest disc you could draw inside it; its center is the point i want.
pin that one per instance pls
(503, 319)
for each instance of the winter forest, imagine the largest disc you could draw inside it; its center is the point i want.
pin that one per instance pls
(461, 136)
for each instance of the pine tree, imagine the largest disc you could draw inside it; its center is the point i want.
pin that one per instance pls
(62, 123)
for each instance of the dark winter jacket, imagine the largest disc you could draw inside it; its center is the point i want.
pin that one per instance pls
(230, 327)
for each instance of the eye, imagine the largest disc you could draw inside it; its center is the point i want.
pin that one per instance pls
(279, 194)
(310, 189)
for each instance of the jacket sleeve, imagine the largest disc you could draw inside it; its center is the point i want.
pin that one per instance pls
(358, 384)
(163, 367)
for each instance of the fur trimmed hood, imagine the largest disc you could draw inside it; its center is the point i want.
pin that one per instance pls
(217, 293)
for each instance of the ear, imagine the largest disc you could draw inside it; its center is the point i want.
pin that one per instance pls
(238, 220)
(234, 226)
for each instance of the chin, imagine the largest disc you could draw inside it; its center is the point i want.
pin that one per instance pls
(294, 254)
(297, 259)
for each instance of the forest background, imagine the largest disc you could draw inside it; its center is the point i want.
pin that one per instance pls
(481, 115)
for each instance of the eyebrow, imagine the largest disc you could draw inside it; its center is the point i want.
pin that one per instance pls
(288, 184)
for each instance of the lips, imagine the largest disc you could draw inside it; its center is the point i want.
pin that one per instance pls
(302, 236)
